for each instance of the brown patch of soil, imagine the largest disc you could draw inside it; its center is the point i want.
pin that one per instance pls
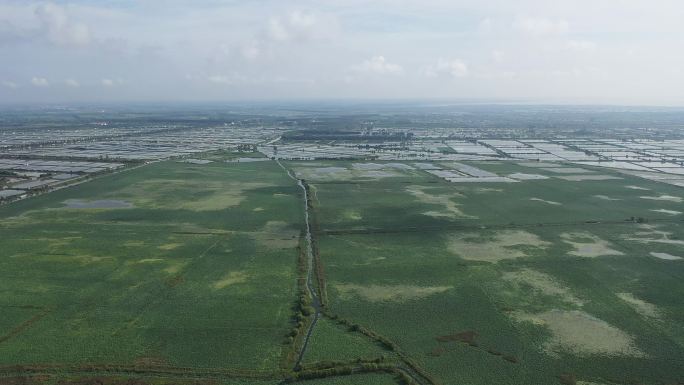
(494, 352)
(33, 380)
(102, 381)
(468, 337)
(151, 361)
(175, 281)
(510, 359)
(436, 352)
(567, 379)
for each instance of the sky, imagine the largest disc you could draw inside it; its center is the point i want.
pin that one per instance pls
(552, 51)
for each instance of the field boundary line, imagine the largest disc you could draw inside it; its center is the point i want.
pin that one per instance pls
(161, 371)
(26, 324)
(410, 367)
(591, 222)
(164, 289)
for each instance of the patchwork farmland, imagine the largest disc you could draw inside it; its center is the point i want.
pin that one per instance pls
(191, 269)
(434, 260)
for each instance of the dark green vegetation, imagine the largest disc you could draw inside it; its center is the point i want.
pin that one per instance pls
(536, 282)
(166, 272)
(200, 273)
(422, 281)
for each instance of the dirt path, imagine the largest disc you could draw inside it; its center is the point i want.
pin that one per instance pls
(315, 300)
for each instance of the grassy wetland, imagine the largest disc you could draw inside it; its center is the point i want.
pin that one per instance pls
(198, 272)
(546, 280)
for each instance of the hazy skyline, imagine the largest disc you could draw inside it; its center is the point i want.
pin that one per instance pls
(615, 52)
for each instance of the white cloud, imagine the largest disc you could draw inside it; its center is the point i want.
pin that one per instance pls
(277, 31)
(575, 72)
(455, 68)
(293, 28)
(541, 26)
(499, 75)
(39, 82)
(72, 83)
(251, 51)
(111, 82)
(269, 41)
(58, 28)
(379, 65)
(222, 79)
(9, 84)
(30, 21)
(485, 25)
(237, 79)
(301, 26)
(581, 45)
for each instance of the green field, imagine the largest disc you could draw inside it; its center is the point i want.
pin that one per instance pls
(199, 273)
(193, 270)
(481, 284)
